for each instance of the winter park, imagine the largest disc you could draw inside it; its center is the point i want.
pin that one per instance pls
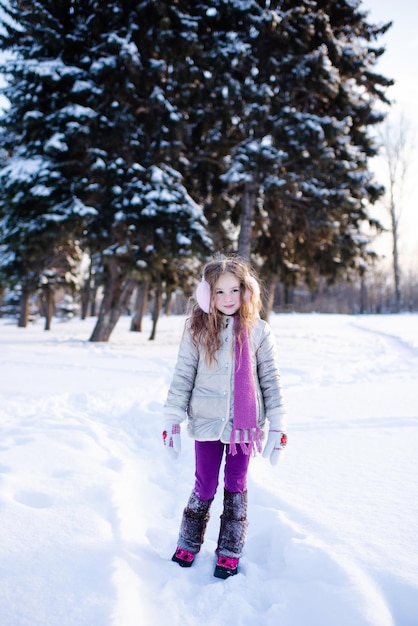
(90, 502)
(208, 254)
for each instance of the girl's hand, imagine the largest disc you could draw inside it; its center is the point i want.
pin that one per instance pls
(276, 443)
(172, 440)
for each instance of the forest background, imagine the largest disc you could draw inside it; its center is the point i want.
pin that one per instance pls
(139, 137)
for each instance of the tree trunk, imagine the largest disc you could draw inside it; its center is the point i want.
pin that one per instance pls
(141, 302)
(268, 296)
(93, 301)
(246, 220)
(49, 306)
(24, 309)
(87, 294)
(117, 293)
(363, 293)
(169, 299)
(158, 303)
(395, 256)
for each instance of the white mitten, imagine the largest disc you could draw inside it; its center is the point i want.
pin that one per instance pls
(275, 444)
(172, 440)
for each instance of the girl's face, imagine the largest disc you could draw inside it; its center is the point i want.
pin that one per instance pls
(227, 294)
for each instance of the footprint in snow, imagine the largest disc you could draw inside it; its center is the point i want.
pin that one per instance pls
(34, 499)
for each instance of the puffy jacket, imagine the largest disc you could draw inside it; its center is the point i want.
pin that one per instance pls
(205, 394)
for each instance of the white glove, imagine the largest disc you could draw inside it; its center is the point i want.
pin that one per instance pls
(172, 440)
(275, 444)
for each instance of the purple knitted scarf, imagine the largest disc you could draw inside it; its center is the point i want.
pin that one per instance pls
(245, 408)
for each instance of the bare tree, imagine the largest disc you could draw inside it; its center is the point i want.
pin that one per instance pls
(397, 143)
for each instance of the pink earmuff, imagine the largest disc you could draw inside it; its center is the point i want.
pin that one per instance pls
(203, 295)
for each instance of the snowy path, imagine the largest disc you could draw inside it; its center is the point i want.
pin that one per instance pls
(90, 505)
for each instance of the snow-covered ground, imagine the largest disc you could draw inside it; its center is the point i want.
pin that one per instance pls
(90, 503)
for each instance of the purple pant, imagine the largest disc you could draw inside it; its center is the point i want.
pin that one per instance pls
(208, 464)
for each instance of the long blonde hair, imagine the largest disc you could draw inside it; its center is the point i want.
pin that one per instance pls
(206, 327)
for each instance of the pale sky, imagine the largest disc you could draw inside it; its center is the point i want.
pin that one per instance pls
(399, 62)
(401, 42)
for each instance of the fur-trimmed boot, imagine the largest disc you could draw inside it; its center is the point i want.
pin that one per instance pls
(192, 530)
(232, 533)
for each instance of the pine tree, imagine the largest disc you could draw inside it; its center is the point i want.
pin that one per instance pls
(90, 106)
(151, 223)
(321, 116)
(39, 201)
(282, 100)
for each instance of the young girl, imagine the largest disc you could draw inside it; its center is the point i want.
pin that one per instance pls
(226, 383)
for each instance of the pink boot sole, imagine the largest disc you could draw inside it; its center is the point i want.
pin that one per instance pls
(183, 557)
(226, 567)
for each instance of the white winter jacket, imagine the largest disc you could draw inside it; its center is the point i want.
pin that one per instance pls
(205, 394)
